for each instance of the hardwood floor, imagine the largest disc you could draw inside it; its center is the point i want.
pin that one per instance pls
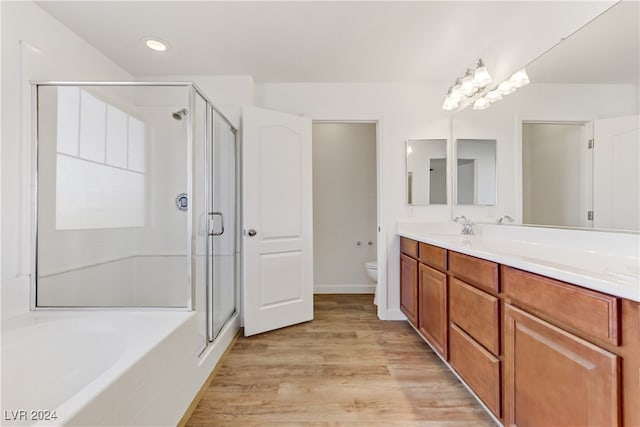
(345, 367)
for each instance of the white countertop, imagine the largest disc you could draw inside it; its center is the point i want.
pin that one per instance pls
(602, 261)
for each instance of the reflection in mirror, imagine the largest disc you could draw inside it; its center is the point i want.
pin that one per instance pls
(476, 172)
(586, 173)
(554, 169)
(427, 171)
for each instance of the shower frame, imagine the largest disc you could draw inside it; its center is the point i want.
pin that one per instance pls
(192, 89)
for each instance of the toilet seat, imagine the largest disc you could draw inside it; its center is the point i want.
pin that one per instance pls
(372, 265)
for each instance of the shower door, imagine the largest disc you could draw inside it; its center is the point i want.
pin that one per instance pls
(223, 224)
(215, 219)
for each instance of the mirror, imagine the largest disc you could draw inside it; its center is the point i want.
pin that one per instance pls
(426, 172)
(476, 172)
(569, 141)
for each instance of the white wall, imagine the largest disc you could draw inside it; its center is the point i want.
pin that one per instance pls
(60, 55)
(344, 206)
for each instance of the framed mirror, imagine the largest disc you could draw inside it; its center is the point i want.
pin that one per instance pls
(426, 172)
(476, 172)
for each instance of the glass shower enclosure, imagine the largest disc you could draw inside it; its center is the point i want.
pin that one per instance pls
(136, 201)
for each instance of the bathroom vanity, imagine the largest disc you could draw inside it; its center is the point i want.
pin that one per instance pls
(542, 333)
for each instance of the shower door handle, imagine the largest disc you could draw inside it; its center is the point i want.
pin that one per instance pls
(214, 233)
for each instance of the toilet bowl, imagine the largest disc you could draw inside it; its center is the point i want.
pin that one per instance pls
(372, 270)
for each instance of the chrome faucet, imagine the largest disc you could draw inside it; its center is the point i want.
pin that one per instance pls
(502, 219)
(467, 226)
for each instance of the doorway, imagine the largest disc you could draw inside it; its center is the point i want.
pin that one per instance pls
(345, 205)
(556, 174)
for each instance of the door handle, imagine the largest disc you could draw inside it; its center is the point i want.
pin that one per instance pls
(252, 232)
(211, 215)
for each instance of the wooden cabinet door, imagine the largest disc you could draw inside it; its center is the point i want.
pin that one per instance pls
(409, 288)
(553, 378)
(432, 307)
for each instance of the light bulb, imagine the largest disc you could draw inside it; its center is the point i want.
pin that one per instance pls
(506, 88)
(449, 103)
(155, 44)
(519, 78)
(493, 96)
(481, 104)
(467, 88)
(481, 77)
(456, 94)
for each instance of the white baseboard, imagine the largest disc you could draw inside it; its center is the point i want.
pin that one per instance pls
(344, 289)
(395, 314)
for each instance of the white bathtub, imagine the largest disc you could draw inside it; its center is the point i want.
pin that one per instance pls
(93, 368)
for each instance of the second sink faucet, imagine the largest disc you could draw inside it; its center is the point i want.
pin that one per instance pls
(467, 226)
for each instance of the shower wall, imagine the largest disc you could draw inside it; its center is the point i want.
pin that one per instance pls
(111, 160)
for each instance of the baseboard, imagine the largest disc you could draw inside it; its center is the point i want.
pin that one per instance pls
(344, 289)
(395, 314)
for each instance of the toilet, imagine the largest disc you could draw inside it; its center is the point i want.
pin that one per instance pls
(372, 270)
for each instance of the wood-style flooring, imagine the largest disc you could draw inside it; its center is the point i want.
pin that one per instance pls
(345, 367)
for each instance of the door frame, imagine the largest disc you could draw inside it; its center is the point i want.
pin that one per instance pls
(381, 236)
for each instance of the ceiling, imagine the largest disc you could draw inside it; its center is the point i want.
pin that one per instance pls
(606, 51)
(323, 41)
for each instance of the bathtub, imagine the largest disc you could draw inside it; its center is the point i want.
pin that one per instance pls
(103, 367)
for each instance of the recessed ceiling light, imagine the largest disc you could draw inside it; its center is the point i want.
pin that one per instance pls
(155, 44)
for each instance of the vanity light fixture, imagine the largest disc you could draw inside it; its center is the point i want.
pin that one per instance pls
(461, 93)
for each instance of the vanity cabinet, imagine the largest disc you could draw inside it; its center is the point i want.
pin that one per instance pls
(409, 279)
(432, 307)
(474, 331)
(535, 350)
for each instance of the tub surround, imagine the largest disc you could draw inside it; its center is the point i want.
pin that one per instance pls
(607, 262)
(503, 312)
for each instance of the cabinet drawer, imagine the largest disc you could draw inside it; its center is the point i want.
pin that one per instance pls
(476, 312)
(479, 368)
(473, 270)
(409, 247)
(433, 256)
(587, 311)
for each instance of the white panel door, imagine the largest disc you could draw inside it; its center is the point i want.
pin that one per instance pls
(277, 220)
(616, 175)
